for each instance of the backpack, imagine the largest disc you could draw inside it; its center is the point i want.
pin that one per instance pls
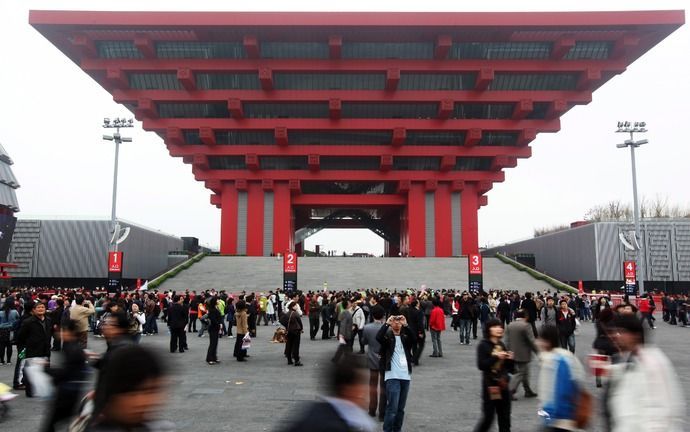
(133, 324)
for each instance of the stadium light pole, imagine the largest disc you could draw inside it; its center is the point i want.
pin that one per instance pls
(632, 128)
(119, 139)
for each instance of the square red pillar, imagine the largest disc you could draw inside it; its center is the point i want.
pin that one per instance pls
(443, 225)
(255, 219)
(282, 218)
(469, 201)
(228, 219)
(416, 219)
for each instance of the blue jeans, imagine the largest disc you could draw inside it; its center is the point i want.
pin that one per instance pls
(465, 326)
(396, 398)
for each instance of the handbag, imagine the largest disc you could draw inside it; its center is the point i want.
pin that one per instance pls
(246, 342)
(583, 408)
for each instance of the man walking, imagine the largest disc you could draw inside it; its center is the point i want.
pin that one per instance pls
(437, 324)
(34, 335)
(80, 313)
(177, 321)
(519, 338)
(377, 387)
(396, 341)
(465, 317)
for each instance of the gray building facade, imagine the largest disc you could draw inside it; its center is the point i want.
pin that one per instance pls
(78, 249)
(595, 252)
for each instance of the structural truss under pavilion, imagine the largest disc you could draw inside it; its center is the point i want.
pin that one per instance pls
(396, 122)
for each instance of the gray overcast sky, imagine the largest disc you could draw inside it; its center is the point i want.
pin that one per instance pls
(51, 114)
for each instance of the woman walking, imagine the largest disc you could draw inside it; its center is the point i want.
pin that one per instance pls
(8, 319)
(242, 329)
(294, 335)
(495, 362)
(214, 322)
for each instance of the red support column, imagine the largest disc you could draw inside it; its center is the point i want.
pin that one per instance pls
(228, 219)
(416, 220)
(470, 228)
(282, 218)
(442, 213)
(255, 219)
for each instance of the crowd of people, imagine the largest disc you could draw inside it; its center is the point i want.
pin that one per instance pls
(389, 329)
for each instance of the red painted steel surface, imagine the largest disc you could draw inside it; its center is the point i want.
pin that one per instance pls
(80, 36)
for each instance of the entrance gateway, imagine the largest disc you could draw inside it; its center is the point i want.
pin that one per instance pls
(396, 122)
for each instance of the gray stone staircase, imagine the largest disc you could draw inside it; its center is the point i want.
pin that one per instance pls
(261, 274)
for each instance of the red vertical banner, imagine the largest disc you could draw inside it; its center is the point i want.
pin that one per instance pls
(630, 276)
(580, 287)
(114, 271)
(290, 272)
(475, 273)
(115, 262)
(290, 262)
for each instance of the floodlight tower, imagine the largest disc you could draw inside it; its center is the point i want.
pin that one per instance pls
(116, 124)
(632, 128)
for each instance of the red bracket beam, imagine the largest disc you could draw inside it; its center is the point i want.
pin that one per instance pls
(556, 109)
(484, 78)
(351, 175)
(207, 136)
(145, 108)
(235, 108)
(561, 47)
(186, 78)
(335, 108)
(266, 79)
(116, 78)
(445, 109)
(314, 162)
(526, 136)
(356, 124)
(281, 135)
(399, 136)
(522, 109)
(251, 46)
(392, 79)
(335, 46)
(84, 45)
(386, 162)
(252, 161)
(354, 65)
(410, 96)
(501, 162)
(589, 79)
(472, 137)
(181, 149)
(145, 46)
(443, 45)
(447, 162)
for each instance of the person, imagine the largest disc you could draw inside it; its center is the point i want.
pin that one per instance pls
(565, 322)
(326, 314)
(465, 317)
(193, 314)
(646, 311)
(377, 387)
(530, 306)
(495, 362)
(242, 329)
(136, 325)
(437, 324)
(644, 391)
(80, 312)
(56, 317)
(416, 325)
(602, 344)
(34, 335)
(549, 313)
(396, 341)
(177, 321)
(67, 379)
(214, 327)
(358, 321)
(342, 410)
(202, 311)
(133, 392)
(294, 334)
(9, 317)
(519, 339)
(314, 314)
(561, 378)
(345, 333)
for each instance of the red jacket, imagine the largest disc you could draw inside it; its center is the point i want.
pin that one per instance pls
(437, 322)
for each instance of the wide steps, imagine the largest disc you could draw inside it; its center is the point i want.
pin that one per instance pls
(261, 274)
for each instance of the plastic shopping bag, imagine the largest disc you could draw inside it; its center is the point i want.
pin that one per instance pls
(40, 381)
(246, 342)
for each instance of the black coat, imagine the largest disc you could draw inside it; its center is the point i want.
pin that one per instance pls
(531, 307)
(319, 417)
(35, 335)
(386, 338)
(494, 372)
(177, 316)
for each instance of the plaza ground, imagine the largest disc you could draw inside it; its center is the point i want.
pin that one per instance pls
(264, 393)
